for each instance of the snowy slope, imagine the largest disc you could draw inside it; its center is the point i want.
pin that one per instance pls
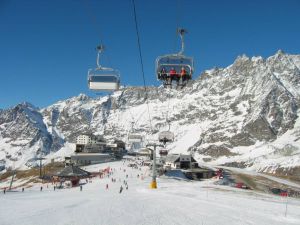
(244, 115)
(174, 202)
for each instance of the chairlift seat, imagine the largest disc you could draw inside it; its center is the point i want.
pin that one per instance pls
(103, 79)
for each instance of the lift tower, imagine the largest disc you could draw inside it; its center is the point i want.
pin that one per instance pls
(153, 184)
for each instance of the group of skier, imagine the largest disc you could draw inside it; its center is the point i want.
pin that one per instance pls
(173, 75)
(109, 174)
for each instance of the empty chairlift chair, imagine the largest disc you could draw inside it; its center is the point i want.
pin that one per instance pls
(183, 66)
(103, 78)
(135, 138)
(135, 142)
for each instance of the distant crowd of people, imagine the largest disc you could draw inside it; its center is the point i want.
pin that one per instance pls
(109, 174)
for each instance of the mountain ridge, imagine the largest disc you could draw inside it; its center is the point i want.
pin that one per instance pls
(222, 116)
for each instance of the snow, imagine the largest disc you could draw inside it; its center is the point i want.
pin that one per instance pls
(60, 155)
(186, 138)
(174, 202)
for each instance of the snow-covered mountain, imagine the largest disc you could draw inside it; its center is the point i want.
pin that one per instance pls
(244, 115)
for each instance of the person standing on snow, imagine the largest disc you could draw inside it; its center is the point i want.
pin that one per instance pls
(121, 189)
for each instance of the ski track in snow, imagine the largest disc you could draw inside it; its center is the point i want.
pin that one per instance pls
(174, 202)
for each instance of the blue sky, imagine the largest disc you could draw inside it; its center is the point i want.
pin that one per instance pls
(46, 47)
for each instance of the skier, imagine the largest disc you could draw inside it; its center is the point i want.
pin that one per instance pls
(54, 188)
(41, 189)
(121, 189)
(80, 187)
(173, 74)
(163, 74)
(22, 189)
(4, 190)
(183, 74)
(106, 186)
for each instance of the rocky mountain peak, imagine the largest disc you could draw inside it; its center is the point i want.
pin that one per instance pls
(222, 116)
(82, 97)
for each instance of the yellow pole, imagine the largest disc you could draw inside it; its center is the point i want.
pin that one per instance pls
(153, 184)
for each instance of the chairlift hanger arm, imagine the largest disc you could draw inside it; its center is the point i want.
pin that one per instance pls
(181, 32)
(100, 49)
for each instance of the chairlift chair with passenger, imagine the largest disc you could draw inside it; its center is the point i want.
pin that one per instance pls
(178, 61)
(163, 152)
(166, 136)
(103, 78)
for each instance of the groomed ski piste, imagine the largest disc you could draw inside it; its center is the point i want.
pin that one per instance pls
(175, 201)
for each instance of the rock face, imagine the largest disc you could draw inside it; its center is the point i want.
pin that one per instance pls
(245, 114)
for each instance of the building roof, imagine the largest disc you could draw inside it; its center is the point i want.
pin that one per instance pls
(175, 157)
(73, 171)
(172, 157)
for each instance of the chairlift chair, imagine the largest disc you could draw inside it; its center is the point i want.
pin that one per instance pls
(166, 136)
(135, 138)
(163, 152)
(103, 78)
(176, 61)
